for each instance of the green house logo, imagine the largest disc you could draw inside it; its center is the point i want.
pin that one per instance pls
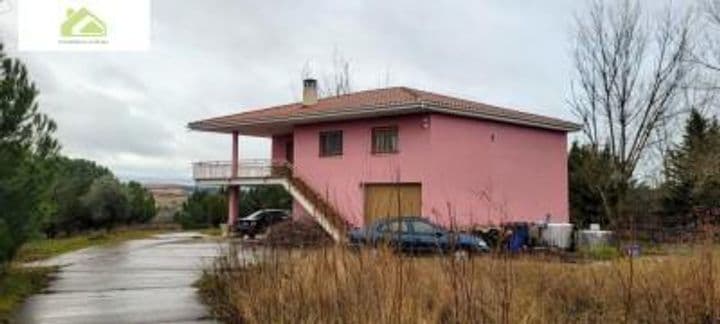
(82, 23)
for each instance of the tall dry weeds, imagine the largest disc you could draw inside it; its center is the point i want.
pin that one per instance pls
(337, 285)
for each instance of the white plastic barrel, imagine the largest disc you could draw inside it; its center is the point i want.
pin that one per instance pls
(558, 235)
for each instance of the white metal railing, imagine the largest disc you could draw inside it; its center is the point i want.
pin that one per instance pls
(222, 170)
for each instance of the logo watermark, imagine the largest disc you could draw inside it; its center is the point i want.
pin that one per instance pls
(83, 25)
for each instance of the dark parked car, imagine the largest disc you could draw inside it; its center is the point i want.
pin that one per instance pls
(260, 220)
(417, 235)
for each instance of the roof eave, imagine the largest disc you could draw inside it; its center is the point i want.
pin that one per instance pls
(556, 125)
(218, 126)
(244, 127)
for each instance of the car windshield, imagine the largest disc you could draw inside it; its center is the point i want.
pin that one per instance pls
(254, 216)
(278, 214)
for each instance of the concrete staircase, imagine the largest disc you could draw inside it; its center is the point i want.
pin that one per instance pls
(316, 206)
(268, 172)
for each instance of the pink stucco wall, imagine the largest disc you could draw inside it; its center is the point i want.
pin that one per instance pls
(278, 147)
(279, 154)
(489, 172)
(472, 172)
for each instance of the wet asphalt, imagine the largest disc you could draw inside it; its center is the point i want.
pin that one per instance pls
(140, 281)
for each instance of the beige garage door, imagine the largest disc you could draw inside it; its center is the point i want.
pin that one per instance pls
(392, 200)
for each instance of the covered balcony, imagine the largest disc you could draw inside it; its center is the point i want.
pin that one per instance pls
(232, 175)
(279, 123)
(243, 172)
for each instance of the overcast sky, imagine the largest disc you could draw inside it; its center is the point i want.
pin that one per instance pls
(129, 110)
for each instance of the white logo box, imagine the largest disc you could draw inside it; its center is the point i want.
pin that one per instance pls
(90, 25)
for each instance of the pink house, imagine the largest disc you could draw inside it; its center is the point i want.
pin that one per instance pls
(353, 158)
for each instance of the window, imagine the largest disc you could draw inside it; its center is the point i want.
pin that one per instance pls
(278, 215)
(331, 143)
(385, 140)
(424, 228)
(394, 227)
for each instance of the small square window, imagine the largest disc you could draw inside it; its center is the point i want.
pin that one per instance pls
(385, 140)
(331, 143)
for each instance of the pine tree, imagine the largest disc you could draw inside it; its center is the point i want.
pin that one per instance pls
(25, 144)
(593, 190)
(692, 170)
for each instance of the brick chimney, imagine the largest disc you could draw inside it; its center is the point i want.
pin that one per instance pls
(310, 95)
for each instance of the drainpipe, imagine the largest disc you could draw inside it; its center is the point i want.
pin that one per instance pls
(233, 190)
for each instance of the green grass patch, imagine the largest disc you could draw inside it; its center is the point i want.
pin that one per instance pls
(668, 249)
(18, 283)
(211, 231)
(46, 248)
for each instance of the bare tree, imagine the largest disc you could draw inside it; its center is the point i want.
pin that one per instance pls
(708, 55)
(384, 79)
(630, 70)
(337, 81)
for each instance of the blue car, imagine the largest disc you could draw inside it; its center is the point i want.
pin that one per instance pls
(415, 235)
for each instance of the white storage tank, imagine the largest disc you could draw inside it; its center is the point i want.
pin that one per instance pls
(593, 237)
(558, 235)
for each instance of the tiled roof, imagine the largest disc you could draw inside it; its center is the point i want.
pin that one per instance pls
(381, 102)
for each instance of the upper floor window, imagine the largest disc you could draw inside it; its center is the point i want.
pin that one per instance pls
(385, 140)
(331, 143)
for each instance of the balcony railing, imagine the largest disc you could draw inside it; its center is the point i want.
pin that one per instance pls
(222, 170)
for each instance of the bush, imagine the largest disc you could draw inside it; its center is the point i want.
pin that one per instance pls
(202, 209)
(72, 180)
(5, 245)
(209, 208)
(298, 234)
(106, 202)
(85, 196)
(141, 204)
(263, 197)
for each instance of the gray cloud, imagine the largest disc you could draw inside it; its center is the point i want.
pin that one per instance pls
(129, 110)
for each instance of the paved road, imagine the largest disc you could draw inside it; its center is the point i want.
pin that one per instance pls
(141, 281)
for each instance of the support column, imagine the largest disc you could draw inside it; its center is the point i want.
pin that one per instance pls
(234, 171)
(233, 190)
(233, 200)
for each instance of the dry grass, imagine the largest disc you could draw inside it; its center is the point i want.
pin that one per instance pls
(336, 285)
(17, 283)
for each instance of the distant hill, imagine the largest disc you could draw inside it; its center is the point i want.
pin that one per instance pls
(168, 199)
(167, 186)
